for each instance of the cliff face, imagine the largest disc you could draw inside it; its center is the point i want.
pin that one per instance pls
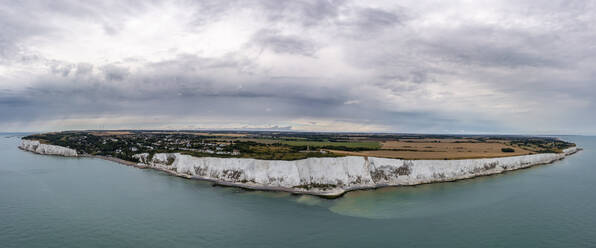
(333, 176)
(36, 147)
(321, 176)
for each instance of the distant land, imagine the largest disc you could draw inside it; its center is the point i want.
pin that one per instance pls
(325, 164)
(269, 145)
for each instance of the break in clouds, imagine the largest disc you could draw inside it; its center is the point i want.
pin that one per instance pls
(373, 66)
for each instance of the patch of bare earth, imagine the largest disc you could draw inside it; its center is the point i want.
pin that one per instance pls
(439, 149)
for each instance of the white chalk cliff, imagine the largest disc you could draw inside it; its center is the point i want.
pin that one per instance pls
(321, 176)
(36, 147)
(334, 176)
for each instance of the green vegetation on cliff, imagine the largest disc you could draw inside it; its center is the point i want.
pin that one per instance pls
(294, 145)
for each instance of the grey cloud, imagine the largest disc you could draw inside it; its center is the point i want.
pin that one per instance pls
(538, 55)
(369, 20)
(306, 12)
(84, 69)
(62, 69)
(111, 30)
(279, 43)
(174, 91)
(114, 72)
(266, 99)
(194, 63)
(17, 24)
(21, 20)
(377, 17)
(487, 46)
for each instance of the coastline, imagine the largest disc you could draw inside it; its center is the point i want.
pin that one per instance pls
(216, 182)
(185, 167)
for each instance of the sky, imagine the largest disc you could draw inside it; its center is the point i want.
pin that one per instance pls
(503, 67)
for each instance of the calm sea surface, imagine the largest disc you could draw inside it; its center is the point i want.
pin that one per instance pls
(48, 201)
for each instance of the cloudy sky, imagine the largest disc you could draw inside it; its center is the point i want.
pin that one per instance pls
(372, 66)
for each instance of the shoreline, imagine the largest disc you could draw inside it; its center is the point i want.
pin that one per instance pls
(216, 182)
(329, 194)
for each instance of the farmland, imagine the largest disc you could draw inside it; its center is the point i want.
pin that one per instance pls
(297, 145)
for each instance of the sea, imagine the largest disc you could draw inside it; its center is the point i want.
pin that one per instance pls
(50, 201)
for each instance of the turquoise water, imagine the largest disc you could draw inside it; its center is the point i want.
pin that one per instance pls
(48, 201)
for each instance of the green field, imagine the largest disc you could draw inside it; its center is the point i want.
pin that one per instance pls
(125, 144)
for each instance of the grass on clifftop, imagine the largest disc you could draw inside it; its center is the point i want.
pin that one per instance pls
(295, 145)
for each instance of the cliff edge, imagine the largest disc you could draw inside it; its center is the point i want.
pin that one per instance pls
(335, 176)
(45, 149)
(321, 176)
